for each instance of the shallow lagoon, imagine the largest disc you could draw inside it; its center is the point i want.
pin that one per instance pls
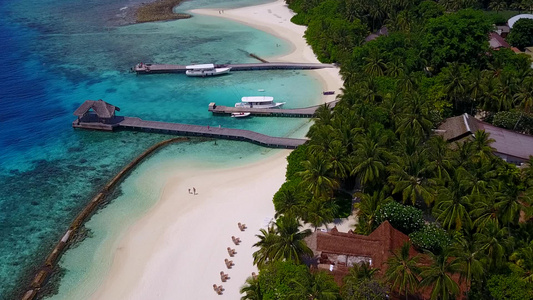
(61, 53)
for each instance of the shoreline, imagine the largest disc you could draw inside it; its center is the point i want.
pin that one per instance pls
(275, 19)
(178, 247)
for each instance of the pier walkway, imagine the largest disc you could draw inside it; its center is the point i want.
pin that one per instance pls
(213, 132)
(166, 68)
(306, 112)
(100, 115)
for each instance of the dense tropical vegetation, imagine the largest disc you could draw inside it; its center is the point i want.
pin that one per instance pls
(467, 211)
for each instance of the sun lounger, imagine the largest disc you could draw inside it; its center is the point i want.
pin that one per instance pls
(223, 277)
(235, 240)
(242, 227)
(231, 252)
(218, 289)
(229, 263)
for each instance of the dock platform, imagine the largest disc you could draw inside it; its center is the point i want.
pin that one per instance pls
(306, 112)
(167, 68)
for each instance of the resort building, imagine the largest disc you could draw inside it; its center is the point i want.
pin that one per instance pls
(496, 41)
(509, 145)
(382, 31)
(96, 115)
(503, 31)
(338, 251)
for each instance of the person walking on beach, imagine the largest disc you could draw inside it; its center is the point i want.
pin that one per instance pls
(194, 190)
(189, 191)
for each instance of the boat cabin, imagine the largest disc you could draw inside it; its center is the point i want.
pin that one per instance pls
(258, 100)
(200, 67)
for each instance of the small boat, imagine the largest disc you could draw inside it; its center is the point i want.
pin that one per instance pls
(328, 93)
(258, 102)
(205, 70)
(240, 114)
(260, 90)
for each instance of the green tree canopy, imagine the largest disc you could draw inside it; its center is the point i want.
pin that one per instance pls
(459, 37)
(521, 35)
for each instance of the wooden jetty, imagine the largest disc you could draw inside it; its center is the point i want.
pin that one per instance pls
(100, 115)
(306, 112)
(143, 68)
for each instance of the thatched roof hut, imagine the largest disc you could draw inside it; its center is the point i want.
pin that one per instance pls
(101, 108)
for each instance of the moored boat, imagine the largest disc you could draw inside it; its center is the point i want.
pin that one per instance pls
(258, 102)
(240, 114)
(205, 70)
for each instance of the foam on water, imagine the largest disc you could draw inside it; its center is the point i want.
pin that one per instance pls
(57, 54)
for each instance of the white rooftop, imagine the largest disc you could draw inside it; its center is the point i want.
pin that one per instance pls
(257, 99)
(199, 67)
(518, 17)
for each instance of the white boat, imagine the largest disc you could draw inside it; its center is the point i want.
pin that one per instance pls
(258, 102)
(205, 70)
(240, 114)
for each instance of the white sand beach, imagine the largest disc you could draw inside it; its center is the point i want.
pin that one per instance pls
(275, 18)
(178, 249)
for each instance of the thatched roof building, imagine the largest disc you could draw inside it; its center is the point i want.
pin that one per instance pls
(338, 251)
(511, 146)
(101, 108)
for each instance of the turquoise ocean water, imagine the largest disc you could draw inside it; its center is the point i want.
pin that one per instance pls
(57, 53)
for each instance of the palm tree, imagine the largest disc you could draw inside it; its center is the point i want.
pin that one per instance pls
(360, 272)
(317, 176)
(498, 5)
(524, 96)
(403, 271)
(522, 262)
(375, 64)
(452, 208)
(410, 179)
(408, 82)
(505, 87)
(395, 68)
(493, 242)
(510, 202)
(468, 258)
(415, 119)
(367, 208)
(439, 163)
(267, 240)
(438, 275)
(482, 151)
(281, 242)
(288, 203)
(338, 157)
(251, 289)
(455, 85)
(369, 160)
(483, 211)
(321, 287)
(476, 86)
(319, 212)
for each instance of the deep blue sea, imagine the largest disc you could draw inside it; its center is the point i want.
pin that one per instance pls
(54, 54)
